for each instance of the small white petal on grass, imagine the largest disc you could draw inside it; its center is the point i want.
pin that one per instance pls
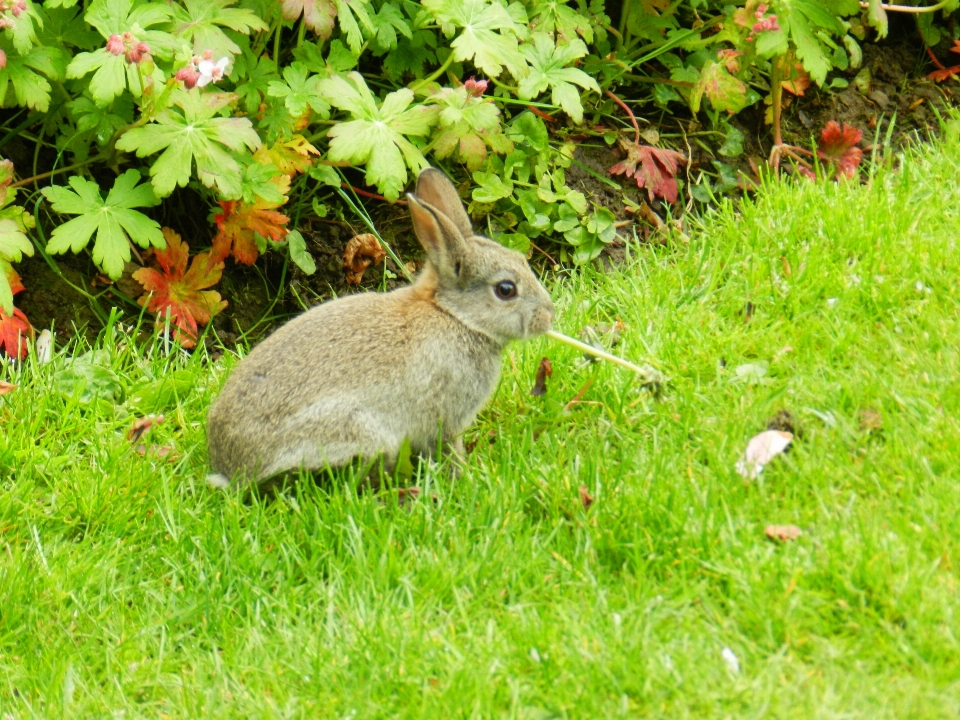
(534, 655)
(761, 450)
(733, 664)
(44, 347)
(832, 302)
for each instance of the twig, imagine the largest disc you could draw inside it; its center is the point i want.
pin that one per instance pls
(541, 114)
(580, 393)
(629, 112)
(44, 176)
(358, 191)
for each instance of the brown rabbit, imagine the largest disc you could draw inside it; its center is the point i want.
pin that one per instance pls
(356, 376)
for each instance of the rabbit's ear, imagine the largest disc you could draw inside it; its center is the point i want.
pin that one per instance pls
(440, 237)
(435, 188)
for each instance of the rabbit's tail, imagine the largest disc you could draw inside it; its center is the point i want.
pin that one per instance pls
(218, 480)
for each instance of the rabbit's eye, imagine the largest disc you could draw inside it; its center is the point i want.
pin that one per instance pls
(505, 290)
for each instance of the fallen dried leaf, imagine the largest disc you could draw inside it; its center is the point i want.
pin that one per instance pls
(761, 450)
(870, 420)
(6, 388)
(141, 426)
(361, 252)
(783, 533)
(585, 498)
(544, 371)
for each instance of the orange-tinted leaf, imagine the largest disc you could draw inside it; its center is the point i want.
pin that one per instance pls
(657, 172)
(16, 285)
(141, 426)
(14, 333)
(238, 224)
(944, 73)
(544, 370)
(783, 533)
(361, 252)
(178, 293)
(160, 452)
(6, 388)
(837, 146)
(290, 156)
(797, 79)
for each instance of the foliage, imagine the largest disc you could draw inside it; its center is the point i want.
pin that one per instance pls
(177, 295)
(237, 99)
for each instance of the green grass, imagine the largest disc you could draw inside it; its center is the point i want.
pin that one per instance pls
(128, 589)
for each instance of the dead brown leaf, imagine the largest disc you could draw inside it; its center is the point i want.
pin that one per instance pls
(6, 388)
(585, 498)
(361, 252)
(141, 426)
(870, 420)
(783, 533)
(544, 371)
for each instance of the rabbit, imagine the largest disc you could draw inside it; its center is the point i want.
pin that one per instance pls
(356, 376)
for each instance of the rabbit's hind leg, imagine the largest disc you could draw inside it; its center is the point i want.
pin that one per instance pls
(333, 442)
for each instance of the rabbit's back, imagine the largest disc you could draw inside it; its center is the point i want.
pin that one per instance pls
(351, 377)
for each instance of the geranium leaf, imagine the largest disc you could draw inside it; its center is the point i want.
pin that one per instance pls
(240, 223)
(194, 136)
(657, 171)
(548, 69)
(300, 91)
(488, 34)
(376, 136)
(113, 220)
(202, 22)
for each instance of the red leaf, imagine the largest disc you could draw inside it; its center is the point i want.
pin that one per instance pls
(657, 172)
(837, 148)
(14, 332)
(944, 73)
(174, 290)
(237, 224)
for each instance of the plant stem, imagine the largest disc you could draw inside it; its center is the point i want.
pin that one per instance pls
(629, 112)
(649, 374)
(625, 9)
(301, 32)
(909, 8)
(42, 176)
(776, 90)
(434, 75)
(276, 43)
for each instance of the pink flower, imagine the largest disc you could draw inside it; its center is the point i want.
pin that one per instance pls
(136, 52)
(188, 76)
(3, 59)
(115, 45)
(476, 87)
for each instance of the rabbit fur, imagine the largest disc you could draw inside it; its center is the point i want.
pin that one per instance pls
(355, 376)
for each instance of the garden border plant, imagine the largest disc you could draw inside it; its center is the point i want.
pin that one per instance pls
(257, 104)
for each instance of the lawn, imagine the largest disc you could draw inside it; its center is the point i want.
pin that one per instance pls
(129, 589)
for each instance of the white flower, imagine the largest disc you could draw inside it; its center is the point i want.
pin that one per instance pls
(211, 72)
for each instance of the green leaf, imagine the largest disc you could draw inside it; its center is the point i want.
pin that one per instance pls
(325, 174)
(23, 72)
(348, 12)
(515, 241)
(195, 136)
(89, 379)
(109, 74)
(257, 74)
(300, 91)
(299, 254)
(376, 136)
(64, 27)
(158, 395)
(340, 58)
(467, 125)
(14, 244)
(488, 34)
(557, 16)
(724, 91)
(548, 69)
(113, 219)
(201, 21)
(492, 187)
(877, 17)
